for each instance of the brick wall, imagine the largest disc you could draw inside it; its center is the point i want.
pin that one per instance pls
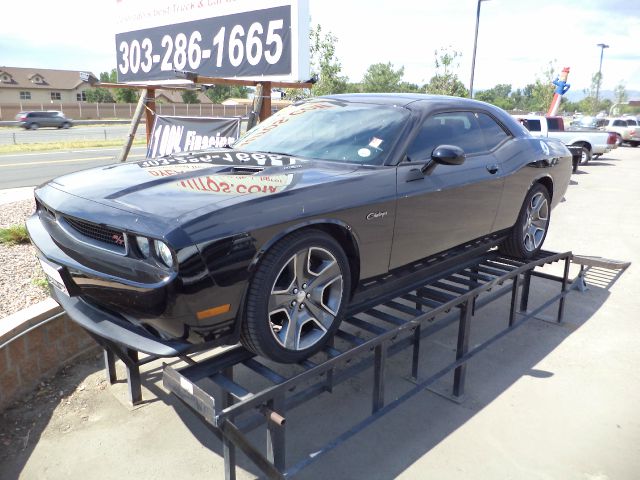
(38, 353)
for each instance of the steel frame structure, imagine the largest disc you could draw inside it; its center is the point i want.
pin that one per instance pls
(230, 410)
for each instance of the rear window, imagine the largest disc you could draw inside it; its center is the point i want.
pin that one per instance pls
(532, 125)
(555, 124)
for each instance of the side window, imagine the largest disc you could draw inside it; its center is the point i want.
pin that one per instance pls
(462, 129)
(494, 135)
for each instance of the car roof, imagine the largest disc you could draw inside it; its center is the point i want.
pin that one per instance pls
(404, 99)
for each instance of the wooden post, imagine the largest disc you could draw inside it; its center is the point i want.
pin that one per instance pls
(257, 107)
(149, 112)
(134, 126)
(265, 110)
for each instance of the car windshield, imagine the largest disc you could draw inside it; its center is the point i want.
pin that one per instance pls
(329, 130)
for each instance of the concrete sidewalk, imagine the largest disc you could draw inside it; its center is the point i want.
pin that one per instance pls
(546, 402)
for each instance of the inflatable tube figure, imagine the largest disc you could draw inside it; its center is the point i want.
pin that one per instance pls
(561, 88)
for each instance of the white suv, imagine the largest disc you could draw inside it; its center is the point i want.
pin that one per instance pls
(626, 130)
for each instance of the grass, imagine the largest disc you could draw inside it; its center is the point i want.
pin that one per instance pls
(48, 146)
(40, 282)
(14, 235)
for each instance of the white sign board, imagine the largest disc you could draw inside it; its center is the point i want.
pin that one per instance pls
(247, 39)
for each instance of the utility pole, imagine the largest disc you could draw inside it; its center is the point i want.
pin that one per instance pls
(475, 47)
(602, 47)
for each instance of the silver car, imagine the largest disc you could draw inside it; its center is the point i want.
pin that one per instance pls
(35, 120)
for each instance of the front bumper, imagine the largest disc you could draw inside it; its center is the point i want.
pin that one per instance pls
(150, 313)
(116, 329)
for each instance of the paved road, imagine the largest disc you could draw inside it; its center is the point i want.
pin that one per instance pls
(29, 169)
(13, 136)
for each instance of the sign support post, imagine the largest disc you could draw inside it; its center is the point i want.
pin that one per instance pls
(135, 121)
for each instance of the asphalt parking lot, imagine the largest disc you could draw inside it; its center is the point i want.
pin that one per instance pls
(545, 402)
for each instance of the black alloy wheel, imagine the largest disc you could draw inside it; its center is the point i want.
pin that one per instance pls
(297, 297)
(530, 230)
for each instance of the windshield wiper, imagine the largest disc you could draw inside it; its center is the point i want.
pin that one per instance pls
(277, 153)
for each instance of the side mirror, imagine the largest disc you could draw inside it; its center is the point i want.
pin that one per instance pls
(448, 155)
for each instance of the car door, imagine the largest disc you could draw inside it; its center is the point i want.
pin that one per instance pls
(451, 204)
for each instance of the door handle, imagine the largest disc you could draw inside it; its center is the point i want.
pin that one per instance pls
(493, 168)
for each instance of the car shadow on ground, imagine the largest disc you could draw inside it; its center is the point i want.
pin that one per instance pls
(396, 441)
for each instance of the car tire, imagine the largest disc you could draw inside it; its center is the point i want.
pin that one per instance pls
(66, 125)
(33, 126)
(286, 326)
(634, 144)
(528, 234)
(618, 139)
(585, 156)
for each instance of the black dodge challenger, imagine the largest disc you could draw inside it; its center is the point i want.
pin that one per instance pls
(270, 240)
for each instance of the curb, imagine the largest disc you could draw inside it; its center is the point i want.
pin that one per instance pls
(19, 323)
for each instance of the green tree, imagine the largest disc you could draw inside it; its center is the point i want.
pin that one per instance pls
(220, 93)
(446, 81)
(101, 95)
(189, 96)
(111, 95)
(543, 89)
(621, 97)
(381, 77)
(324, 63)
(500, 96)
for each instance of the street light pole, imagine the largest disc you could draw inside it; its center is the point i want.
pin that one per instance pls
(602, 47)
(475, 47)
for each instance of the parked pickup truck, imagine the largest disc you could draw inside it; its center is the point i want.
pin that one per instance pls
(593, 143)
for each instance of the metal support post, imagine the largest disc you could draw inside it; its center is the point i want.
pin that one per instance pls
(133, 377)
(110, 365)
(524, 298)
(514, 300)
(380, 357)
(464, 329)
(228, 448)
(330, 373)
(565, 281)
(416, 352)
(276, 435)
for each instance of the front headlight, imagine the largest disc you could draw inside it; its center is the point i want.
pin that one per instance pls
(164, 253)
(143, 246)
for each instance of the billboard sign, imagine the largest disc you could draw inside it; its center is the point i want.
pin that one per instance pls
(248, 39)
(185, 134)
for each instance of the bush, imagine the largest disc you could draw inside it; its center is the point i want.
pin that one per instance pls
(14, 234)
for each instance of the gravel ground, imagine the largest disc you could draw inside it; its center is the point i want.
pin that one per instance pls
(18, 265)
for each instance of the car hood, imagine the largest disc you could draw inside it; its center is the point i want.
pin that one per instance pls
(171, 187)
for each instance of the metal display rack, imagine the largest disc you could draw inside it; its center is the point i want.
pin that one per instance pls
(368, 336)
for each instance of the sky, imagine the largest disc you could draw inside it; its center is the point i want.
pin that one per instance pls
(517, 39)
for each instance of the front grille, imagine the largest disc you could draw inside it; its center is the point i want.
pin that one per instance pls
(109, 236)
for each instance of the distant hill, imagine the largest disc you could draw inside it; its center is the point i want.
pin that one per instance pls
(576, 95)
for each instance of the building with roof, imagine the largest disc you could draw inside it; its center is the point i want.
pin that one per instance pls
(40, 85)
(175, 96)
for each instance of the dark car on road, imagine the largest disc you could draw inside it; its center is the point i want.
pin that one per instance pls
(269, 241)
(35, 120)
